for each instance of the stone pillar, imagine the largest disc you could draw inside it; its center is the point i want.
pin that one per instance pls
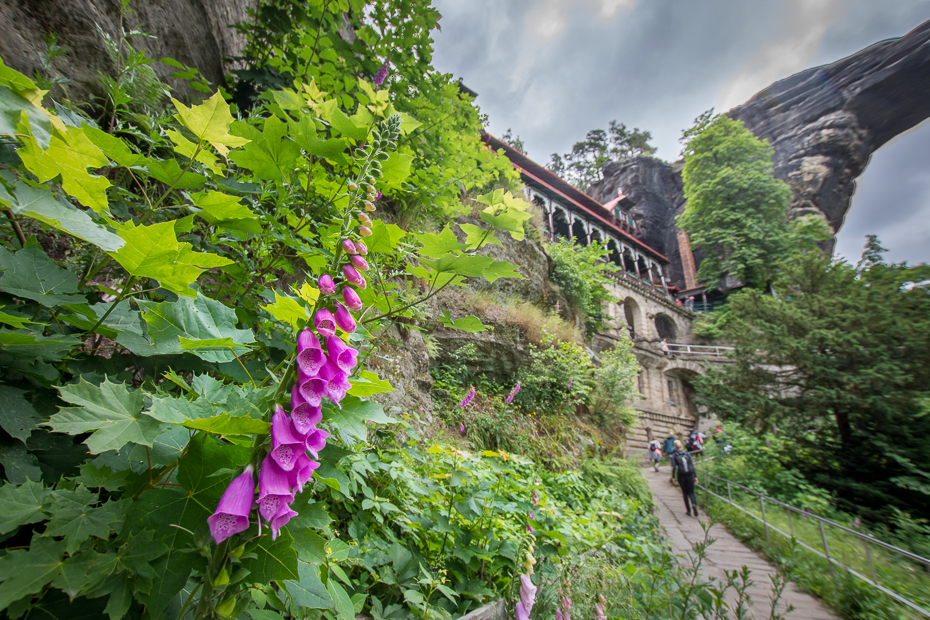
(664, 283)
(687, 259)
(652, 273)
(636, 264)
(550, 211)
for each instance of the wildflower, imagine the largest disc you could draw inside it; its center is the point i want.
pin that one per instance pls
(326, 284)
(529, 528)
(344, 319)
(232, 511)
(527, 598)
(364, 231)
(857, 522)
(309, 354)
(462, 428)
(361, 248)
(286, 443)
(468, 398)
(359, 263)
(513, 392)
(558, 614)
(351, 298)
(599, 612)
(352, 276)
(274, 489)
(342, 355)
(312, 389)
(570, 381)
(304, 415)
(381, 75)
(325, 322)
(531, 514)
(348, 246)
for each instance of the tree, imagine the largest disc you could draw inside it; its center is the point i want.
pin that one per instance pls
(840, 363)
(583, 165)
(737, 210)
(513, 140)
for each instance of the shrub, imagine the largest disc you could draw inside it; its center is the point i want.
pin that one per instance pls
(580, 273)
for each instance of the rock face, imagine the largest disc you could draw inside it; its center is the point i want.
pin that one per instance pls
(195, 32)
(824, 124)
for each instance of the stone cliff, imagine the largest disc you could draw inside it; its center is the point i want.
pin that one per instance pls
(194, 32)
(824, 124)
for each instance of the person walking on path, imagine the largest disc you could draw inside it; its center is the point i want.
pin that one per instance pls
(655, 453)
(683, 466)
(669, 446)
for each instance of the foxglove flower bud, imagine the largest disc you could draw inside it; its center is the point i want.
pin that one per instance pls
(348, 246)
(364, 219)
(232, 512)
(364, 231)
(309, 353)
(341, 355)
(351, 298)
(326, 284)
(359, 263)
(361, 248)
(325, 322)
(352, 276)
(344, 319)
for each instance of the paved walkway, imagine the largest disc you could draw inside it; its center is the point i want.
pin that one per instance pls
(727, 553)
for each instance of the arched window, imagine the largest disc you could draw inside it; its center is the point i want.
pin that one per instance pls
(631, 314)
(665, 327)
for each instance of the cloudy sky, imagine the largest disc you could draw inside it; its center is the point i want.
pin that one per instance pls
(551, 70)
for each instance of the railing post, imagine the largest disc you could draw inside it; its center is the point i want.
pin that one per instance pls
(826, 548)
(868, 555)
(729, 493)
(765, 522)
(790, 523)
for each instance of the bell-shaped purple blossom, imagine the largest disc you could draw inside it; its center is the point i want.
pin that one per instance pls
(361, 248)
(341, 354)
(328, 370)
(326, 284)
(280, 520)
(232, 511)
(302, 472)
(468, 398)
(513, 392)
(381, 75)
(316, 441)
(348, 246)
(351, 298)
(274, 489)
(364, 231)
(286, 443)
(359, 263)
(558, 614)
(364, 218)
(310, 354)
(304, 416)
(527, 593)
(462, 428)
(325, 322)
(599, 612)
(344, 319)
(352, 276)
(337, 388)
(313, 390)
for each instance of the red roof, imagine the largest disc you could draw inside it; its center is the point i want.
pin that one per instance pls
(619, 200)
(571, 197)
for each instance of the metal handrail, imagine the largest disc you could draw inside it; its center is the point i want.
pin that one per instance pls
(866, 540)
(675, 347)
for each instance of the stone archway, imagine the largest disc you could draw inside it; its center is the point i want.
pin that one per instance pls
(666, 328)
(633, 315)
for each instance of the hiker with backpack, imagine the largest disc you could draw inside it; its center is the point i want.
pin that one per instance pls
(655, 453)
(694, 443)
(683, 467)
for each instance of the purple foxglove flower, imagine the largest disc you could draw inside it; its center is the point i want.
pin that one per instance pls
(566, 615)
(313, 390)
(286, 443)
(513, 392)
(304, 416)
(342, 355)
(378, 197)
(232, 511)
(570, 381)
(599, 612)
(529, 528)
(361, 248)
(274, 489)
(348, 246)
(325, 322)
(328, 370)
(351, 298)
(316, 441)
(359, 263)
(364, 218)
(309, 353)
(522, 612)
(558, 614)
(337, 388)
(280, 520)
(364, 231)
(531, 514)
(344, 319)
(302, 472)
(527, 591)
(468, 398)
(381, 75)
(462, 428)
(352, 276)
(326, 284)
(535, 497)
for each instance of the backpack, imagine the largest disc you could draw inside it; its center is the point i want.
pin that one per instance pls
(685, 464)
(689, 445)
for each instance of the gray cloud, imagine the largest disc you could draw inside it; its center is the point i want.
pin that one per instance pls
(554, 69)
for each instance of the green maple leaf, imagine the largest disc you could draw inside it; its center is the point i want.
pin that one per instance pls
(75, 518)
(275, 560)
(154, 252)
(22, 504)
(475, 234)
(217, 207)
(210, 122)
(194, 319)
(33, 275)
(41, 204)
(396, 169)
(186, 148)
(27, 572)
(17, 415)
(437, 245)
(270, 154)
(27, 345)
(384, 237)
(84, 571)
(288, 309)
(110, 411)
(224, 424)
(70, 154)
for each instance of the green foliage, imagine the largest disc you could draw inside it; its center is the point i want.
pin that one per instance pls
(580, 271)
(843, 376)
(737, 211)
(617, 386)
(582, 167)
(559, 377)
